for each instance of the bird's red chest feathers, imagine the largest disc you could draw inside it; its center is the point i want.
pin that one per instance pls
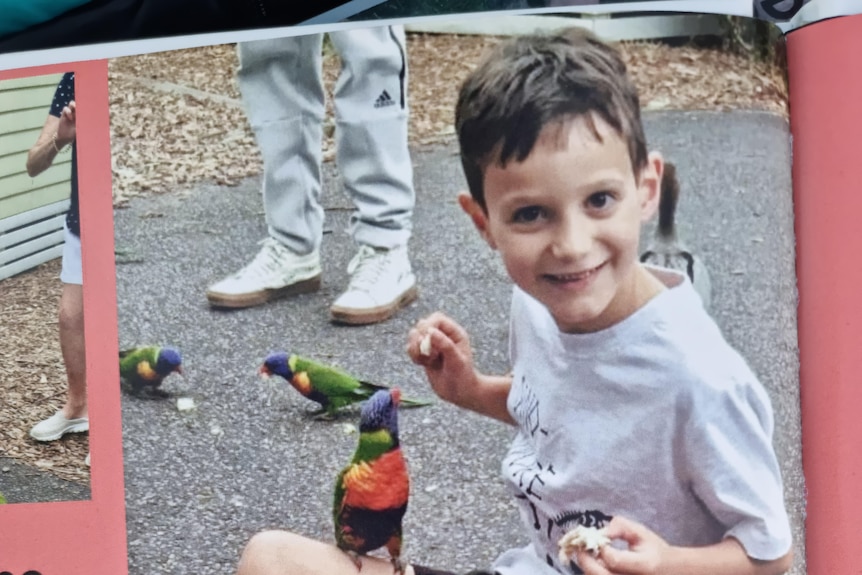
(301, 383)
(379, 484)
(146, 371)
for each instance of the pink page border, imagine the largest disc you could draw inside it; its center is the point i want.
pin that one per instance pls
(84, 537)
(825, 92)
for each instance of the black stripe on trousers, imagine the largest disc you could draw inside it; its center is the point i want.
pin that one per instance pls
(403, 73)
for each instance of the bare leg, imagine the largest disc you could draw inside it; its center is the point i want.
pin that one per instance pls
(356, 558)
(72, 346)
(284, 553)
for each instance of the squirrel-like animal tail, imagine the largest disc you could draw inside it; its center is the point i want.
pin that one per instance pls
(667, 202)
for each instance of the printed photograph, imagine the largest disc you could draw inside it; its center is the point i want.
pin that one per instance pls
(44, 453)
(322, 240)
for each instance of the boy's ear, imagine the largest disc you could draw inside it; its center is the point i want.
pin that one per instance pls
(650, 185)
(477, 215)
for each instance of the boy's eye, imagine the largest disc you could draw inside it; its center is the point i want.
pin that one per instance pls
(528, 214)
(599, 200)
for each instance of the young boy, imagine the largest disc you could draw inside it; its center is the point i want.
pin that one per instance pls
(633, 412)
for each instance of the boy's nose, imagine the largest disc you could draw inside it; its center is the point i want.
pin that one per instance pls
(573, 239)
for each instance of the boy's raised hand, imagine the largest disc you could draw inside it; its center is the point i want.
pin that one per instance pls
(447, 357)
(643, 557)
(442, 347)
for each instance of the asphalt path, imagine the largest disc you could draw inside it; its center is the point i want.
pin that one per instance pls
(200, 483)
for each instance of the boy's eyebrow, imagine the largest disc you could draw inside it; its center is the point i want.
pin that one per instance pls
(532, 194)
(592, 185)
(608, 182)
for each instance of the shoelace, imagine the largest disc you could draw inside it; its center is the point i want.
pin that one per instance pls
(366, 267)
(264, 263)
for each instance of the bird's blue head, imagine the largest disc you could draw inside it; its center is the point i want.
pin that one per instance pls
(169, 360)
(380, 411)
(277, 363)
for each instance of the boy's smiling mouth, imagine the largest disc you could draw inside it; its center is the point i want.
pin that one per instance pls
(575, 277)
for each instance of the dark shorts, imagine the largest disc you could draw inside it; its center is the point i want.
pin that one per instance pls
(420, 570)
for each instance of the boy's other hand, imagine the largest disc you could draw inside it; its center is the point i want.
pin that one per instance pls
(649, 554)
(448, 360)
(644, 555)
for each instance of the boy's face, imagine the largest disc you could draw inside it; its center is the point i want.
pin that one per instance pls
(567, 222)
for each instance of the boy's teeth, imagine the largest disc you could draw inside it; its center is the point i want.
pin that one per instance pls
(577, 276)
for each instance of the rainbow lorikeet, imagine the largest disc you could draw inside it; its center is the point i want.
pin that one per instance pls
(371, 492)
(147, 366)
(328, 386)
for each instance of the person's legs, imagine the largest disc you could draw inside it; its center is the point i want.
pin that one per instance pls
(281, 81)
(72, 347)
(282, 89)
(374, 161)
(72, 418)
(370, 101)
(285, 553)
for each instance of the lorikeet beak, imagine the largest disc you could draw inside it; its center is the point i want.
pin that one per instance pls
(396, 396)
(179, 369)
(264, 371)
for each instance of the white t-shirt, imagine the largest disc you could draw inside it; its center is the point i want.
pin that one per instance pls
(656, 419)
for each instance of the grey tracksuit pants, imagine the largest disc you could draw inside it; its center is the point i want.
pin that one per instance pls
(282, 89)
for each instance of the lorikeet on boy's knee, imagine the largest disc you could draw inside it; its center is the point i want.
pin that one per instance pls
(147, 367)
(328, 386)
(371, 492)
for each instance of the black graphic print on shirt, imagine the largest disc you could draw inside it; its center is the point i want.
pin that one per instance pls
(547, 513)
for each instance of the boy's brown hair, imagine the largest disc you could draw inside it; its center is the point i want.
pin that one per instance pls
(528, 83)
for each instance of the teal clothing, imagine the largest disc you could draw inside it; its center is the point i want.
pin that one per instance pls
(16, 15)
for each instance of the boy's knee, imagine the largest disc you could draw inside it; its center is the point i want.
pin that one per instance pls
(267, 541)
(265, 551)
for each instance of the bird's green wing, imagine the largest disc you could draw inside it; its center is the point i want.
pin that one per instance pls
(372, 387)
(130, 358)
(126, 353)
(128, 361)
(330, 381)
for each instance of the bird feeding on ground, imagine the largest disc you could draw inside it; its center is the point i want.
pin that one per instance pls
(331, 388)
(146, 367)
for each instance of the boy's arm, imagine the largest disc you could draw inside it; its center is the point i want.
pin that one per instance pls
(649, 554)
(490, 397)
(727, 557)
(448, 363)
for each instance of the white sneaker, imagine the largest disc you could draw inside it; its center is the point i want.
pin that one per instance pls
(57, 426)
(273, 273)
(381, 282)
